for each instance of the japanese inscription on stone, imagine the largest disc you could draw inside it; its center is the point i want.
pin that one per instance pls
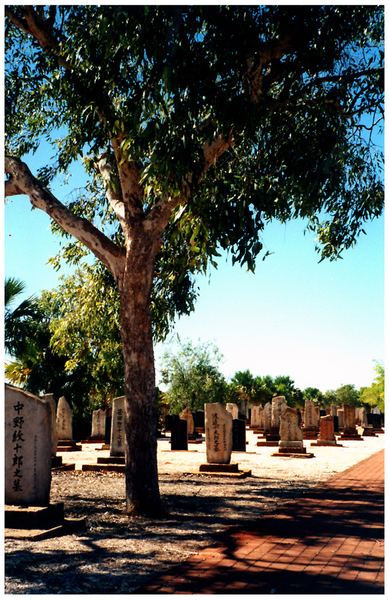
(117, 427)
(218, 433)
(27, 448)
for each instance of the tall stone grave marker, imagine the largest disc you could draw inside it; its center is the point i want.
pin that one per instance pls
(187, 416)
(49, 398)
(349, 428)
(98, 424)
(239, 435)
(64, 420)
(218, 433)
(340, 415)
(178, 433)
(28, 446)
(255, 417)
(327, 432)
(291, 441)
(311, 419)
(117, 446)
(267, 417)
(278, 405)
(233, 409)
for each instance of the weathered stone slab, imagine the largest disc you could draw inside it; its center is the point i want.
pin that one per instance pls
(117, 446)
(49, 398)
(267, 417)
(278, 405)
(255, 416)
(218, 433)
(340, 416)
(64, 420)
(27, 448)
(327, 432)
(311, 416)
(98, 424)
(187, 416)
(290, 432)
(232, 408)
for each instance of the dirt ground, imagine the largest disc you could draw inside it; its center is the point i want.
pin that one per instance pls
(115, 554)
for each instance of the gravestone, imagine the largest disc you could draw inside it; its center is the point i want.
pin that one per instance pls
(178, 433)
(64, 421)
(340, 415)
(117, 445)
(267, 417)
(349, 428)
(108, 425)
(327, 432)
(238, 435)
(233, 409)
(278, 405)
(28, 447)
(199, 423)
(333, 410)
(375, 420)
(311, 418)
(98, 424)
(168, 422)
(291, 441)
(187, 416)
(49, 398)
(218, 433)
(255, 417)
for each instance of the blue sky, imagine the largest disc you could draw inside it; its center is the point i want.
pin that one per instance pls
(321, 324)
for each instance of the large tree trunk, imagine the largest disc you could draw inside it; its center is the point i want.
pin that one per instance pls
(142, 490)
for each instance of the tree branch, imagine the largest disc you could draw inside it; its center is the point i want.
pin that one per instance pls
(22, 181)
(129, 176)
(41, 30)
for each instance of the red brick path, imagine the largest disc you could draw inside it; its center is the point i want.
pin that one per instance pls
(328, 542)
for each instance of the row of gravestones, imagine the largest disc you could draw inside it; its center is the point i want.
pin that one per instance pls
(261, 417)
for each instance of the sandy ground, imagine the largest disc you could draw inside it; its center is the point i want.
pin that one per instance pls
(115, 554)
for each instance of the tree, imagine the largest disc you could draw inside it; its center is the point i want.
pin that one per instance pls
(374, 395)
(197, 126)
(18, 336)
(311, 393)
(193, 377)
(347, 394)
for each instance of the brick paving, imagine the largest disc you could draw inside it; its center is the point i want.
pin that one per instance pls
(331, 541)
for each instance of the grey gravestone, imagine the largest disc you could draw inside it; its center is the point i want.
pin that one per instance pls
(278, 405)
(218, 433)
(239, 435)
(64, 420)
(178, 433)
(290, 432)
(117, 427)
(255, 416)
(375, 420)
(98, 424)
(27, 449)
(267, 417)
(49, 398)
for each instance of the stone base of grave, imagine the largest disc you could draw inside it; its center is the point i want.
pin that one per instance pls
(310, 433)
(39, 522)
(104, 447)
(68, 446)
(223, 470)
(350, 434)
(294, 454)
(95, 440)
(268, 444)
(327, 443)
(366, 431)
(195, 441)
(200, 430)
(56, 461)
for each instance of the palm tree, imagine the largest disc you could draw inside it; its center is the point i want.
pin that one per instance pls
(17, 330)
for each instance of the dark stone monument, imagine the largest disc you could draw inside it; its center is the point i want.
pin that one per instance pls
(179, 434)
(239, 435)
(199, 420)
(336, 423)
